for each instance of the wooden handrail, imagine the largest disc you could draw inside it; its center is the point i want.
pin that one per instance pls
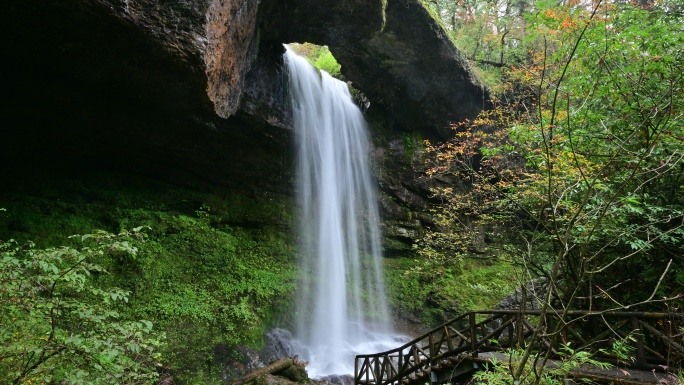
(625, 314)
(450, 339)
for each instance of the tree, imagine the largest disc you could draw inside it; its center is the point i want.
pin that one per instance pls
(491, 33)
(585, 177)
(59, 326)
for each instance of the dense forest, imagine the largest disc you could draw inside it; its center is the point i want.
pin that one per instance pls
(570, 186)
(574, 178)
(576, 174)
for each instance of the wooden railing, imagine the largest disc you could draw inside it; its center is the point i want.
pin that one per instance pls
(655, 339)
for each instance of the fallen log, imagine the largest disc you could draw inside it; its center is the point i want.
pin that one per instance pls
(296, 372)
(273, 368)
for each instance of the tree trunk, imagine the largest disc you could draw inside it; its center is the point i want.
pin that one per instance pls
(273, 368)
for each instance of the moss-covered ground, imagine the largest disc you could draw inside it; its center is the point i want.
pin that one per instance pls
(212, 273)
(434, 299)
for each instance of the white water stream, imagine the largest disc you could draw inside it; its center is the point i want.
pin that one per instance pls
(342, 308)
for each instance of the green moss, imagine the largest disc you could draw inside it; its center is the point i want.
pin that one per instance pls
(387, 62)
(437, 18)
(213, 269)
(413, 143)
(384, 14)
(406, 293)
(211, 286)
(379, 128)
(480, 286)
(440, 295)
(395, 245)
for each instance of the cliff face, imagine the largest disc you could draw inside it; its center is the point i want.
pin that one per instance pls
(128, 84)
(194, 89)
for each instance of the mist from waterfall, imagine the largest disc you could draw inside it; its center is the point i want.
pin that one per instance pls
(342, 309)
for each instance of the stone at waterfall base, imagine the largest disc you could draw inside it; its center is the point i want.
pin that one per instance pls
(272, 379)
(276, 379)
(289, 371)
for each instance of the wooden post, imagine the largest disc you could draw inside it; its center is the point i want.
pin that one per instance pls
(518, 330)
(550, 324)
(376, 370)
(368, 369)
(638, 333)
(400, 372)
(473, 334)
(431, 342)
(450, 342)
(595, 331)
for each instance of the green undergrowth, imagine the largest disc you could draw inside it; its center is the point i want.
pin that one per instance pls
(212, 271)
(481, 285)
(477, 285)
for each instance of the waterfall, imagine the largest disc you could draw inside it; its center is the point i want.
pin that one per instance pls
(342, 309)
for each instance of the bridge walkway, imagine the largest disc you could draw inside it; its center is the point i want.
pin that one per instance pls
(474, 340)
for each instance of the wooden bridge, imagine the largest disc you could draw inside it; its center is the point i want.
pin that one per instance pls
(652, 346)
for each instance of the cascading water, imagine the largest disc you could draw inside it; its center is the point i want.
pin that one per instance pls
(342, 309)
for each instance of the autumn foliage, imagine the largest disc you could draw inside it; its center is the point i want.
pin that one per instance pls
(577, 174)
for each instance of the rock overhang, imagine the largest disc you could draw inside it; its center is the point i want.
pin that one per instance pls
(180, 79)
